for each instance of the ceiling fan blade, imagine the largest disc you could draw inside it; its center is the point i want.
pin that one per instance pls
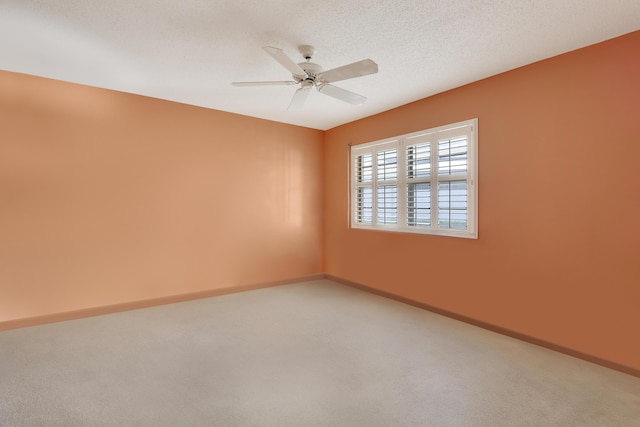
(342, 94)
(285, 61)
(357, 69)
(300, 97)
(275, 83)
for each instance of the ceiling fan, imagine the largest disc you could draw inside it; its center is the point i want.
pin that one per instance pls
(309, 75)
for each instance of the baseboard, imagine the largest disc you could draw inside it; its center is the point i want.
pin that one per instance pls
(115, 308)
(494, 328)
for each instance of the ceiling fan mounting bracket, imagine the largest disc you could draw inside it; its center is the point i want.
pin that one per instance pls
(307, 51)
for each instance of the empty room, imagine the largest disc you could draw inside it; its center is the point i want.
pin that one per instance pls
(341, 213)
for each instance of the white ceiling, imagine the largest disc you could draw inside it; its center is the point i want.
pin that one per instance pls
(190, 50)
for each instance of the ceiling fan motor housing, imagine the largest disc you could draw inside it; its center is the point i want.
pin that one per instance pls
(311, 69)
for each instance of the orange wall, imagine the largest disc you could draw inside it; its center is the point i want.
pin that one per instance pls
(107, 198)
(558, 254)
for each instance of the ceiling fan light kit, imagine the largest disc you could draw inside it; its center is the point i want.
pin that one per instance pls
(308, 75)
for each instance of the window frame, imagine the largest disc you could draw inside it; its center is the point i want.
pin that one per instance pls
(428, 137)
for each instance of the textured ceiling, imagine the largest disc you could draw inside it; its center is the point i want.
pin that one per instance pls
(190, 50)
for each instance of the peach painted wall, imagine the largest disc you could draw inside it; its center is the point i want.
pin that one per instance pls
(107, 198)
(558, 254)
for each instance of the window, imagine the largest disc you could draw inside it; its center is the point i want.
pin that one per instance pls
(423, 182)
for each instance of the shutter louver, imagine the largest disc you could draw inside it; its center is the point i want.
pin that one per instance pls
(452, 205)
(364, 205)
(387, 190)
(364, 168)
(419, 161)
(419, 205)
(419, 186)
(364, 191)
(388, 204)
(452, 156)
(387, 165)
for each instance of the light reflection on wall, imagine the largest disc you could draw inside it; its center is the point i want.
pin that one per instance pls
(294, 185)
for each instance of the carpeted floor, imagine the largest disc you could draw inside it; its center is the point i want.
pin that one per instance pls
(309, 354)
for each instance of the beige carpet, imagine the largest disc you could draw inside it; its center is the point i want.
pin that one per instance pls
(310, 354)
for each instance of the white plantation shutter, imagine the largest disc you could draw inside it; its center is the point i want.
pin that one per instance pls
(418, 160)
(388, 204)
(424, 182)
(419, 204)
(365, 205)
(453, 205)
(363, 170)
(452, 191)
(387, 185)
